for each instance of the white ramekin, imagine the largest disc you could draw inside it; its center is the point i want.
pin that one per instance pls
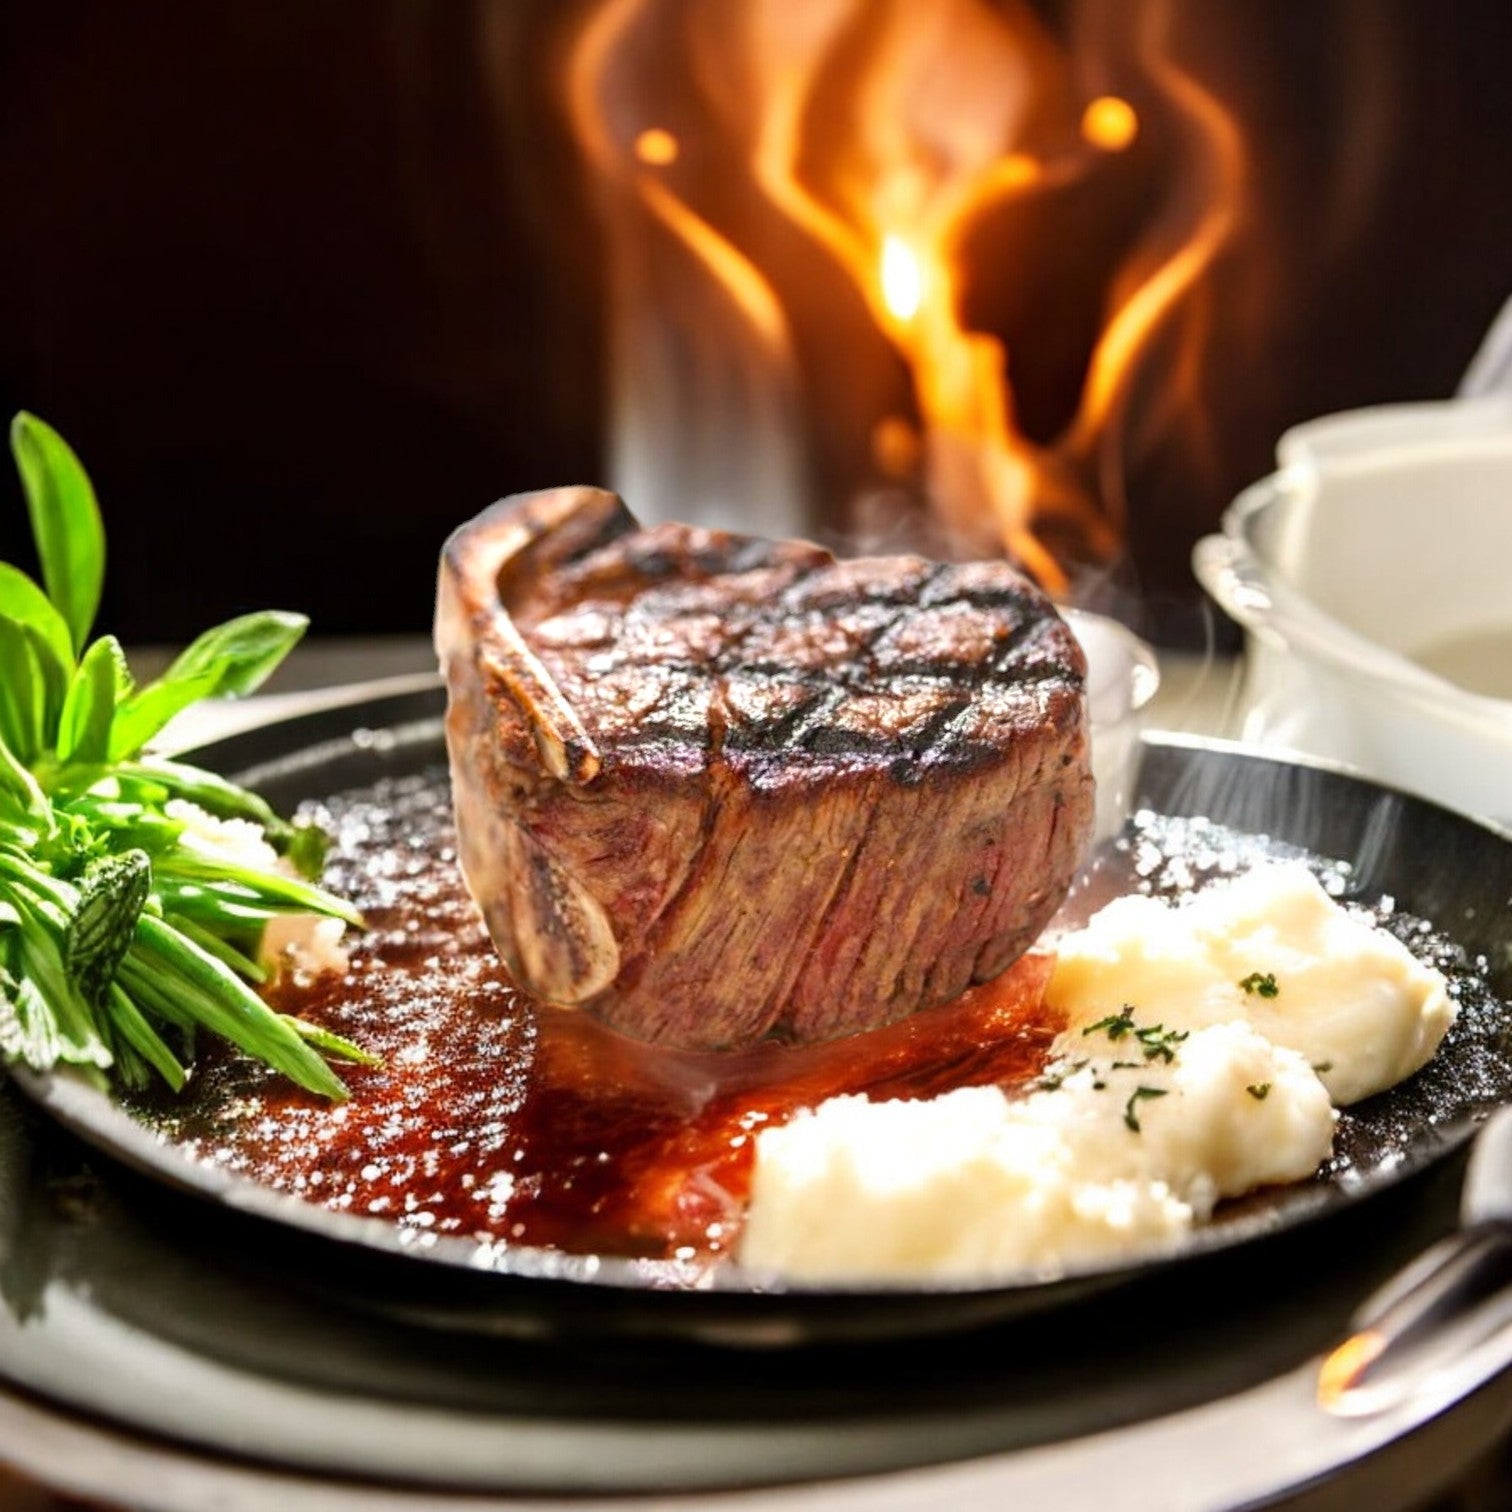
(1122, 677)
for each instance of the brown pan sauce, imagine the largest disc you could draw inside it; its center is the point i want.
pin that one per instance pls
(497, 1118)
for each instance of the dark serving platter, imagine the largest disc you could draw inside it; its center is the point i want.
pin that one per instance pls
(152, 1294)
(1436, 866)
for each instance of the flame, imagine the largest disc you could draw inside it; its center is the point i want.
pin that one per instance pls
(1110, 123)
(902, 279)
(889, 134)
(657, 147)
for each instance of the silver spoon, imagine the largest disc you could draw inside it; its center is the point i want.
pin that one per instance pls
(1444, 1323)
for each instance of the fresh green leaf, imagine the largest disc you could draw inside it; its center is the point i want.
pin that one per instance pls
(242, 884)
(212, 944)
(32, 688)
(54, 673)
(222, 1002)
(144, 714)
(22, 794)
(225, 800)
(89, 710)
(28, 1032)
(124, 826)
(335, 1046)
(23, 694)
(65, 523)
(23, 601)
(144, 1039)
(306, 850)
(112, 895)
(38, 892)
(242, 653)
(80, 1041)
(113, 930)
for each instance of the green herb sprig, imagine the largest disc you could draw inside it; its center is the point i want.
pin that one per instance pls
(1116, 1026)
(1137, 1096)
(1261, 984)
(119, 942)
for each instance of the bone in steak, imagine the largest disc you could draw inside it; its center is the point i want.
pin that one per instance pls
(712, 788)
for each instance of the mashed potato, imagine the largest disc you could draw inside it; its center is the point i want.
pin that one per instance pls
(1206, 1044)
(1270, 948)
(1123, 1153)
(237, 841)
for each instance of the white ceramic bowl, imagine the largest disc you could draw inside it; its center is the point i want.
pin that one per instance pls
(1373, 575)
(1122, 678)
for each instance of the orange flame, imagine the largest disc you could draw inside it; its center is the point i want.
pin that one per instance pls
(1110, 123)
(889, 133)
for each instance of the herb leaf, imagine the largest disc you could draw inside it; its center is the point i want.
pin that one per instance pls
(307, 848)
(22, 692)
(53, 674)
(208, 790)
(117, 924)
(1159, 1043)
(242, 653)
(28, 1032)
(1116, 1026)
(111, 898)
(1259, 1090)
(89, 709)
(1137, 1096)
(21, 794)
(65, 522)
(334, 1046)
(24, 602)
(1261, 986)
(232, 660)
(221, 1001)
(144, 714)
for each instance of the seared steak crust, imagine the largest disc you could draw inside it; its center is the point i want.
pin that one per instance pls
(713, 788)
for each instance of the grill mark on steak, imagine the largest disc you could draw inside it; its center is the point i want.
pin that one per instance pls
(937, 734)
(773, 793)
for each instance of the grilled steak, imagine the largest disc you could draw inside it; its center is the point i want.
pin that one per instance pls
(712, 788)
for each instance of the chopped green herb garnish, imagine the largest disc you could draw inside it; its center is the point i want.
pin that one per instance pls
(1116, 1026)
(1261, 985)
(117, 940)
(1156, 1041)
(1259, 1090)
(1159, 1043)
(1323, 1068)
(1137, 1096)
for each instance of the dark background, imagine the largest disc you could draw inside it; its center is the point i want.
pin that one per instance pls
(307, 284)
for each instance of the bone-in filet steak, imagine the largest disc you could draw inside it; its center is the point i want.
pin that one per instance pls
(712, 788)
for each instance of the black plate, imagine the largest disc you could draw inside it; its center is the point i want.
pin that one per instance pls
(1435, 865)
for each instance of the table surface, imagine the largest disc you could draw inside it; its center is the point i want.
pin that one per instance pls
(1197, 695)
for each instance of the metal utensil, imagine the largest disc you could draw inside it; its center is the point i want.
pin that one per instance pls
(1444, 1323)
(1490, 370)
